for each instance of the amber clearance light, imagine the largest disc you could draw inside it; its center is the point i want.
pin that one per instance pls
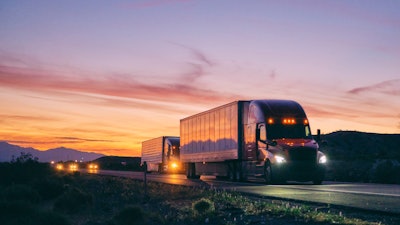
(289, 121)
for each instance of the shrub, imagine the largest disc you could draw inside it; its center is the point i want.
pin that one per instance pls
(17, 213)
(72, 201)
(21, 193)
(131, 215)
(203, 207)
(352, 171)
(386, 172)
(52, 218)
(23, 172)
(49, 187)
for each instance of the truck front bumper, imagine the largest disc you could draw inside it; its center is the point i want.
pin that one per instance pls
(298, 172)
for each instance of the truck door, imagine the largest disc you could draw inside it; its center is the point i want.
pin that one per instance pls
(250, 153)
(261, 142)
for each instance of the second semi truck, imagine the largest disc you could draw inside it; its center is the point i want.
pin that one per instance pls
(162, 154)
(270, 139)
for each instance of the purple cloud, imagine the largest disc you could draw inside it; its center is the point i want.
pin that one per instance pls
(389, 87)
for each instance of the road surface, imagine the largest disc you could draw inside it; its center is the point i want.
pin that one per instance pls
(375, 197)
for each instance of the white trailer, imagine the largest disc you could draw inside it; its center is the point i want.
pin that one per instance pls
(270, 139)
(161, 154)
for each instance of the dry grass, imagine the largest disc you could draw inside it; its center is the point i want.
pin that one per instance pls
(89, 199)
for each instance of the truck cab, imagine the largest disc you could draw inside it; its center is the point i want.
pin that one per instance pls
(171, 162)
(279, 145)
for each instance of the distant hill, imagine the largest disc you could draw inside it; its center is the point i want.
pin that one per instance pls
(353, 145)
(362, 157)
(7, 151)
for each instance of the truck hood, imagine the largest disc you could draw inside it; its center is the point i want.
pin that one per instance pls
(290, 143)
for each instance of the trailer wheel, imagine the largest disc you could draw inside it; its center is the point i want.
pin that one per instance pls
(235, 172)
(191, 171)
(268, 173)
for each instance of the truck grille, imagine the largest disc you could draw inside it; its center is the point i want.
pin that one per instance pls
(302, 155)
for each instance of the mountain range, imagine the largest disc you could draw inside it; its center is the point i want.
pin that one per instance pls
(340, 145)
(8, 151)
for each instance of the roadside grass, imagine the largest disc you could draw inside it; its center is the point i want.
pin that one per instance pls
(279, 209)
(89, 199)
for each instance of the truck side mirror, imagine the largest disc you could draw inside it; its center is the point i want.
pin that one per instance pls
(272, 143)
(318, 135)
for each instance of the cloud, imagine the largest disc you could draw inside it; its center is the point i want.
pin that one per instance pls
(115, 85)
(199, 65)
(389, 87)
(197, 55)
(26, 118)
(81, 140)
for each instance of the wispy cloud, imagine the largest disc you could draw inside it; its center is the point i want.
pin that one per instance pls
(79, 140)
(26, 118)
(42, 80)
(389, 87)
(198, 63)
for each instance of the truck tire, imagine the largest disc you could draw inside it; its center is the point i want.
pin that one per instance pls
(235, 172)
(268, 173)
(231, 171)
(191, 171)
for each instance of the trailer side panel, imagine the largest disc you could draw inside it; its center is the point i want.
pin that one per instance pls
(212, 136)
(152, 152)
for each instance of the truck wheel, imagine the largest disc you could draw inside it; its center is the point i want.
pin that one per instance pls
(231, 172)
(191, 171)
(234, 172)
(188, 171)
(268, 173)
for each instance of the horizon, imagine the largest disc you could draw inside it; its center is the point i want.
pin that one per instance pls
(104, 76)
(104, 155)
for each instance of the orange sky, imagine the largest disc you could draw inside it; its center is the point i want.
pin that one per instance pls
(113, 75)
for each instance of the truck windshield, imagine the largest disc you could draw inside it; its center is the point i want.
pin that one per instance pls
(279, 131)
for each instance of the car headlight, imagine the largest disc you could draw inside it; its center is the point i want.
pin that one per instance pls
(322, 160)
(280, 159)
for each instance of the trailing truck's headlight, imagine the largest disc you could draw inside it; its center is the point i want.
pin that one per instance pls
(322, 160)
(174, 165)
(280, 159)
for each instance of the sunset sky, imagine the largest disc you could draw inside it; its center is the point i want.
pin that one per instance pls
(103, 76)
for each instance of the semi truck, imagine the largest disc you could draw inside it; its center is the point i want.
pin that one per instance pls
(161, 155)
(267, 139)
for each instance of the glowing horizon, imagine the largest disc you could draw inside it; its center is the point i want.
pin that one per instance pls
(116, 74)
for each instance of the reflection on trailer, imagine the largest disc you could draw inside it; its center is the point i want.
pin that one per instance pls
(270, 139)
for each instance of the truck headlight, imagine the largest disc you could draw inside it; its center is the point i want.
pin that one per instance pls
(322, 160)
(174, 165)
(280, 159)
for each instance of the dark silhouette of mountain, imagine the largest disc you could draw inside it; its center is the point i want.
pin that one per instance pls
(353, 145)
(362, 157)
(8, 151)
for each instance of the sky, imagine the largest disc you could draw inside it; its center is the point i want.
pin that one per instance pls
(103, 76)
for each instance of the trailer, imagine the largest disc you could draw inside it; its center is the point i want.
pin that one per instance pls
(162, 155)
(269, 139)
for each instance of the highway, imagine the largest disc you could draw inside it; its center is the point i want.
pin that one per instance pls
(375, 197)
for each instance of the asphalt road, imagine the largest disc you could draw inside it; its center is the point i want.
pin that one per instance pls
(375, 197)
